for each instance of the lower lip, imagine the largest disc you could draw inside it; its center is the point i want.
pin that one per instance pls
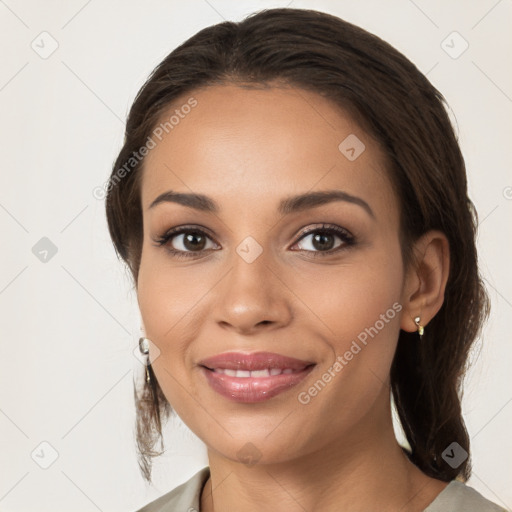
(253, 389)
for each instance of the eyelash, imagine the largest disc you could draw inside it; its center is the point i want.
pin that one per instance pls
(347, 239)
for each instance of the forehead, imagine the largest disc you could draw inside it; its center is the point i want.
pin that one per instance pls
(252, 146)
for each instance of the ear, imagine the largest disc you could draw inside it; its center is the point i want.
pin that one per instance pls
(425, 280)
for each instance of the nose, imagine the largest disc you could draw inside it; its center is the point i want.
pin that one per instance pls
(252, 298)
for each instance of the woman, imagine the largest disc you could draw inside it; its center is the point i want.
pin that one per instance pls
(291, 201)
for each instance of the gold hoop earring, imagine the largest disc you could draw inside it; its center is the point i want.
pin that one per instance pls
(421, 329)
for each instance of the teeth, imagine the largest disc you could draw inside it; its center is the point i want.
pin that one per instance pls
(260, 373)
(255, 373)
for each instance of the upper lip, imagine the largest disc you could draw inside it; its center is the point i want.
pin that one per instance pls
(253, 361)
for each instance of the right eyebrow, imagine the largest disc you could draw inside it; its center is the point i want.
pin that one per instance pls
(196, 201)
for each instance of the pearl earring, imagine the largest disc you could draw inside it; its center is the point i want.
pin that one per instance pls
(144, 350)
(421, 329)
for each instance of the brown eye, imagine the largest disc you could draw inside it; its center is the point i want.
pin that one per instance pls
(325, 240)
(189, 241)
(183, 242)
(193, 241)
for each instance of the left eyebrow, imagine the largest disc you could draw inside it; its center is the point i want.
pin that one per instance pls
(287, 206)
(312, 199)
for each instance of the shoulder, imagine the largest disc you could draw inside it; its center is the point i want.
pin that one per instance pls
(457, 496)
(185, 497)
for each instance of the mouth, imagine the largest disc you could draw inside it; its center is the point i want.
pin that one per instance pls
(253, 377)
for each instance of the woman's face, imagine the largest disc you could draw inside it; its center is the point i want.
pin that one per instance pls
(246, 277)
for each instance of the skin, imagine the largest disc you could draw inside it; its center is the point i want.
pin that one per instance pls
(247, 150)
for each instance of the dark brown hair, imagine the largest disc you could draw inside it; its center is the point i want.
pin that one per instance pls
(395, 103)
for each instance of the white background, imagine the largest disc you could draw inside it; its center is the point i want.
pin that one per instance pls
(69, 326)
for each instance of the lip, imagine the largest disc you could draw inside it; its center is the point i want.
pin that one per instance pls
(251, 389)
(253, 361)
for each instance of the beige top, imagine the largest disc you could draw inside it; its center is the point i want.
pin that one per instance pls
(455, 497)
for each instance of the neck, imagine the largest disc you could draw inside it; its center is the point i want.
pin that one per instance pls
(364, 470)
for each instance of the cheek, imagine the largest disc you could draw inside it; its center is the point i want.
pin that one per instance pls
(369, 303)
(351, 297)
(359, 304)
(373, 305)
(368, 327)
(167, 295)
(172, 304)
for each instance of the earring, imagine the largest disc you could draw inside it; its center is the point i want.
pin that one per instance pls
(421, 329)
(144, 350)
(144, 346)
